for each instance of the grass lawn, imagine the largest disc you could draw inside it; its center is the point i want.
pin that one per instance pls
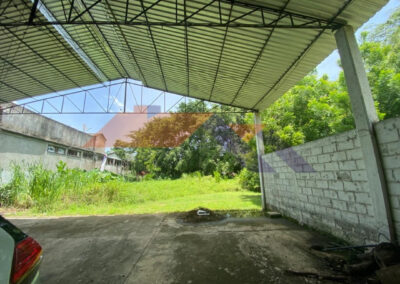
(154, 196)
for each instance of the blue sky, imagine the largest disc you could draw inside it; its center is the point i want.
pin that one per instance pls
(94, 122)
(329, 66)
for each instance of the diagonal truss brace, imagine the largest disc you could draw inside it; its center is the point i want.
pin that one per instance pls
(105, 104)
(264, 17)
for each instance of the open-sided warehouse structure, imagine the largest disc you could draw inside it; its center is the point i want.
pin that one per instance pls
(240, 53)
(243, 53)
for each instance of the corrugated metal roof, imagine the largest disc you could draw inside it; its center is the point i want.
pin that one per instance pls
(241, 53)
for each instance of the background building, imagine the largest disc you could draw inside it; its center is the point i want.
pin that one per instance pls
(30, 138)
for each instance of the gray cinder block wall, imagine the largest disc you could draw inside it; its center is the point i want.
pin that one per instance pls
(324, 184)
(388, 133)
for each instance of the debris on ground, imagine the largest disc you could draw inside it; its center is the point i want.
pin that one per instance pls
(381, 264)
(389, 275)
(347, 247)
(339, 278)
(201, 215)
(201, 212)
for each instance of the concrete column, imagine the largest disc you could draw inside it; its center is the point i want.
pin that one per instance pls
(260, 152)
(365, 116)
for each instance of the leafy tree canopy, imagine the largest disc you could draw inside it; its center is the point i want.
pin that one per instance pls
(380, 49)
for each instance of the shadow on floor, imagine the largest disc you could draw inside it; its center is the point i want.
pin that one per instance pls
(157, 249)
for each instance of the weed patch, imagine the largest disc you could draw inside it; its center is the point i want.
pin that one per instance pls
(39, 191)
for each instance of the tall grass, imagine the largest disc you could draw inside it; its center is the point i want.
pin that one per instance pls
(40, 188)
(44, 191)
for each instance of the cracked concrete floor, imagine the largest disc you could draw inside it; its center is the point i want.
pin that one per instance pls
(159, 249)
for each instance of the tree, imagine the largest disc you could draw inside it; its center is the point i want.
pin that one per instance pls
(380, 50)
(192, 139)
(314, 108)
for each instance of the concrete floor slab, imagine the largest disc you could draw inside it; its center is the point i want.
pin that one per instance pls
(160, 249)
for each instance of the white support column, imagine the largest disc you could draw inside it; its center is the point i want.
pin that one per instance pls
(365, 116)
(260, 152)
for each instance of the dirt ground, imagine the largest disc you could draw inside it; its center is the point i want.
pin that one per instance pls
(160, 249)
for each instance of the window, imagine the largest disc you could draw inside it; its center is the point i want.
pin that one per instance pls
(88, 155)
(60, 151)
(99, 157)
(55, 150)
(74, 153)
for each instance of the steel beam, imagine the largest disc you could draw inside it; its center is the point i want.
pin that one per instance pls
(309, 25)
(295, 62)
(104, 107)
(33, 11)
(107, 41)
(49, 16)
(187, 51)
(291, 20)
(87, 9)
(144, 10)
(259, 55)
(221, 53)
(260, 153)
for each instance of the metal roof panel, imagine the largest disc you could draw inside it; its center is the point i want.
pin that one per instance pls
(243, 53)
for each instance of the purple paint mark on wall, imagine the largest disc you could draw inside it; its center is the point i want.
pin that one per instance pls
(295, 161)
(266, 168)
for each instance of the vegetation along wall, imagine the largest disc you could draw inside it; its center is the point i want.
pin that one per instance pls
(324, 184)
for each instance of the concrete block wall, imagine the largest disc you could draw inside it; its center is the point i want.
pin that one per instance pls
(324, 183)
(388, 135)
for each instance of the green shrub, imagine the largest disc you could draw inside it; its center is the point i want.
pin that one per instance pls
(99, 193)
(249, 180)
(196, 174)
(217, 176)
(18, 185)
(35, 186)
(44, 185)
(130, 177)
(148, 177)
